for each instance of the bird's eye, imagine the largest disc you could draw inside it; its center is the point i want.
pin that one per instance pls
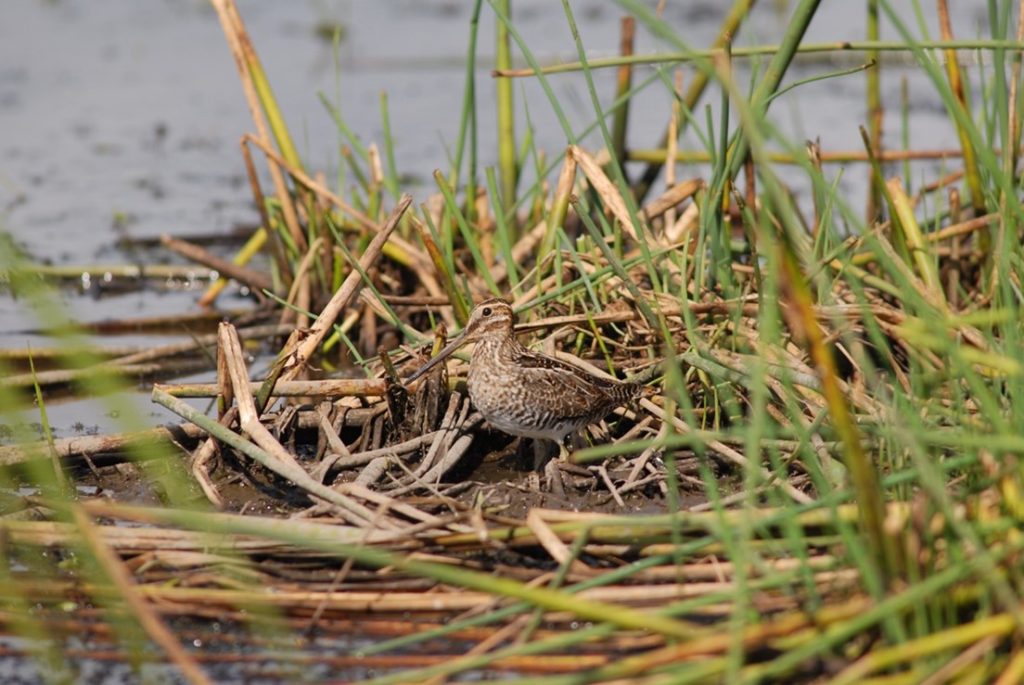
(487, 311)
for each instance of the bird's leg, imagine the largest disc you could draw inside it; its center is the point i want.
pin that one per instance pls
(553, 478)
(540, 454)
(552, 472)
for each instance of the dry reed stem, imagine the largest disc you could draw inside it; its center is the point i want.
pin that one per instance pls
(203, 456)
(828, 157)
(492, 641)
(128, 591)
(532, 293)
(186, 548)
(260, 200)
(165, 322)
(709, 644)
(331, 439)
(672, 145)
(403, 251)
(245, 56)
(303, 296)
(92, 445)
(391, 451)
(256, 280)
(145, 539)
(618, 315)
(284, 597)
(141, 363)
(331, 387)
(198, 342)
(301, 347)
(556, 217)
(451, 423)
(450, 458)
(676, 194)
(951, 232)
(954, 638)
(21, 355)
(133, 273)
(957, 87)
(916, 244)
(298, 601)
(59, 377)
(318, 188)
(130, 541)
(683, 228)
(609, 193)
(1015, 71)
(226, 415)
(978, 651)
(551, 543)
(249, 419)
(376, 305)
(602, 471)
(410, 512)
(1014, 671)
(300, 289)
(725, 451)
(280, 460)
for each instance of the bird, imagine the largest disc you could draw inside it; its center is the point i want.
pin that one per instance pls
(526, 393)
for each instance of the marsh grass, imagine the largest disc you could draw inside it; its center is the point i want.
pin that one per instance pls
(832, 437)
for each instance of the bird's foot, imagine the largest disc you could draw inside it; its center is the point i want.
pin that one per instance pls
(553, 478)
(563, 454)
(541, 454)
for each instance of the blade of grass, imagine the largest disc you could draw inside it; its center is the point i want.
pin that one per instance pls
(60, 479)
(508, 170)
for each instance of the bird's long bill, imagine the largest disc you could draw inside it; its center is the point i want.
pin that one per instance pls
(445, 352)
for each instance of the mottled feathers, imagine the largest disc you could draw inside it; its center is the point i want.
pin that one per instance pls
(527, 393)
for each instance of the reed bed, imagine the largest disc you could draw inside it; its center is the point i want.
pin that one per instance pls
(822, 483)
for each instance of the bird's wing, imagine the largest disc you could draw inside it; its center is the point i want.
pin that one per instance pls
(539, 361)
(568, 390)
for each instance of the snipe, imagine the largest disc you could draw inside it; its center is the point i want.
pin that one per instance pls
(525, 393)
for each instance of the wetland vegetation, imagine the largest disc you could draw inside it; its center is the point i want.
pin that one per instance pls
(821, 483)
